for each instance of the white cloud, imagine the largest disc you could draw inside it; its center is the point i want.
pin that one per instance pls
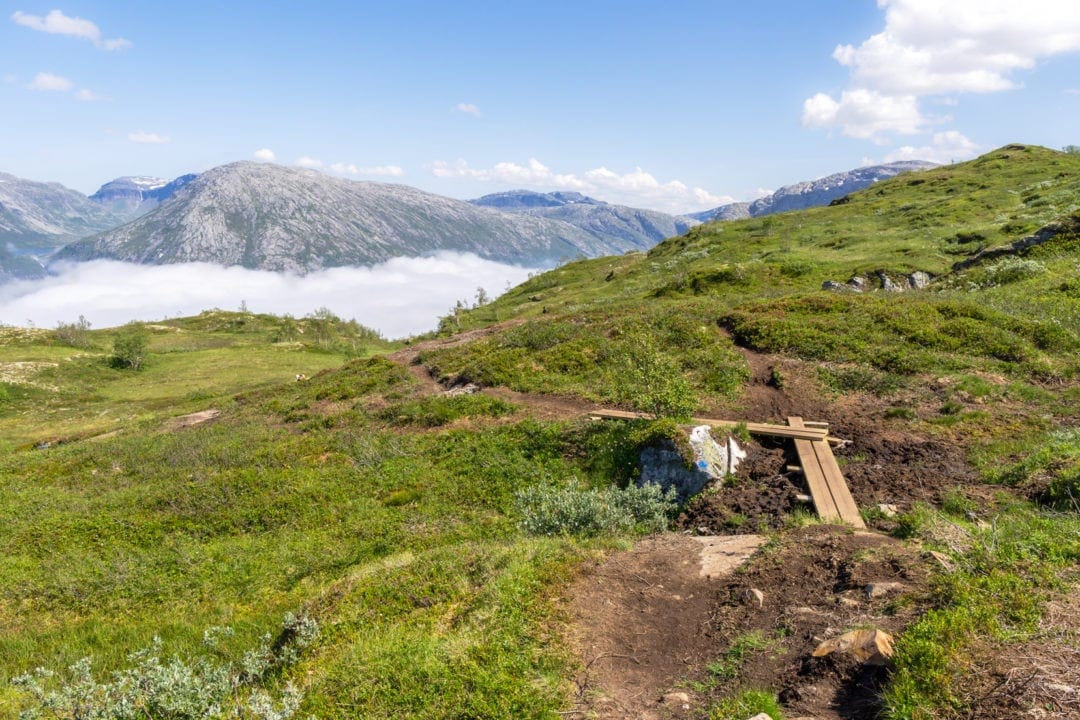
(146, 138)
(384, 297)
(1072, 91)
(930, 48)
(87, 95)
(374, 171)
(468, 109)
(945, 147)
(637, 188)
(49, 82)
(265, 155)
(58, 23)
(864, 114)
(308, 162)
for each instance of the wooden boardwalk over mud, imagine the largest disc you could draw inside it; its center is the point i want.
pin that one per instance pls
(828, 489)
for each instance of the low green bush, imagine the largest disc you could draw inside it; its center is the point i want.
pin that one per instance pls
(440, 410)
(201, 688)
(588, 512)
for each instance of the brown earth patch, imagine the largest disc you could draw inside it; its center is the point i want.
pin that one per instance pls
(192, 419)
(815, 586)
(642, 621)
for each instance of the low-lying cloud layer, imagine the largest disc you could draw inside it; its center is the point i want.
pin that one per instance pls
(400, 297)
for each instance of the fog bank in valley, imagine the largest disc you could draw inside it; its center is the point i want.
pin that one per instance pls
(400, 297)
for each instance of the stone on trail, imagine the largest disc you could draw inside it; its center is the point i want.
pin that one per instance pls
(872, 647)
(753, 596)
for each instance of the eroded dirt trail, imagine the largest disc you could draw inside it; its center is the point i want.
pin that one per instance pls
(642, 621)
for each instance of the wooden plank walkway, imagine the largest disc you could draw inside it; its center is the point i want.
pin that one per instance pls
(785, 431)
(827, 487)
(829, 491)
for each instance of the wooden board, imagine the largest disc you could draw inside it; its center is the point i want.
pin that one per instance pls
(815, 477)
(786, 431)
(828, 488)
(841, 495)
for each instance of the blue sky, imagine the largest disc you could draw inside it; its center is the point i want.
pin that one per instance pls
(678, 106)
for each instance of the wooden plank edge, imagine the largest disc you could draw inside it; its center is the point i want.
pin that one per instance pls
(845, 502)
(753, 428)
(815, 476)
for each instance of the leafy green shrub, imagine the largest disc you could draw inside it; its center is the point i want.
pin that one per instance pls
(130, 347)
(1013, 269)
(652, 381)
(587, 512)
(175, 688)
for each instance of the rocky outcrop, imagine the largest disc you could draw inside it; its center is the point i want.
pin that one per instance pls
(888, 283)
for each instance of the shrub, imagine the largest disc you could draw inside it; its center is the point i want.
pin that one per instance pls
(586, 512)
(441, 410)
(1013, 269)
(652, 381)
(75, 334)
(130, 347)
(175, 689)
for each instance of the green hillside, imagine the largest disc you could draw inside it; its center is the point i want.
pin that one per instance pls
(432, 537)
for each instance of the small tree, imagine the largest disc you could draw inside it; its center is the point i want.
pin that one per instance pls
(129, 347)
(76, 334)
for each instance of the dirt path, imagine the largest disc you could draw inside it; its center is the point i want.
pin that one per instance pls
(642, 621)
(544, 407)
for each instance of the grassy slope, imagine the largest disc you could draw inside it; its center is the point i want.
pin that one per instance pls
(385, 516)
(390, 518)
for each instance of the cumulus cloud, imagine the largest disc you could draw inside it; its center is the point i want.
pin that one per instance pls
(58, 23)
(145, 138)
(945, 147)
(637, 188)
(933, 49)
(87, 95)
(383, 297)
(51, 83)
(468, 109)
(264, 155)
(350, 169)
(377, 171)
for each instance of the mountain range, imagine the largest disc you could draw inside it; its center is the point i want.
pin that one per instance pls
(271, 217)
(624, 228)
(812, 193)
(133, 196)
